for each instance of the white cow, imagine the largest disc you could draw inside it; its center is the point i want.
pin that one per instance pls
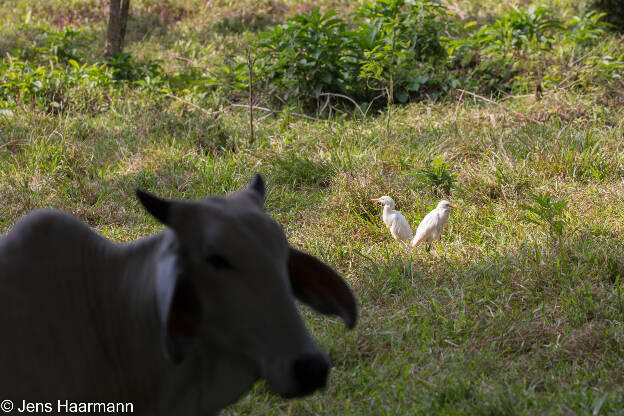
(178, 323)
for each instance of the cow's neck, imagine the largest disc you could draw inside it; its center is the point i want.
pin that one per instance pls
(208, 378)
(126, 314)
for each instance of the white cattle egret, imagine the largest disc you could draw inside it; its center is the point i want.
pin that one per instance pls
(394, 220)
(430, 228)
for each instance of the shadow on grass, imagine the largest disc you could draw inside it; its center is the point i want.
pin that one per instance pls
(518, 330)
(541, 312)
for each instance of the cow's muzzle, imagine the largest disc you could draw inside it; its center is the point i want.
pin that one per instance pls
(310, 372)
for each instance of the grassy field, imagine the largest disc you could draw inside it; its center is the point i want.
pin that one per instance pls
(504, 316)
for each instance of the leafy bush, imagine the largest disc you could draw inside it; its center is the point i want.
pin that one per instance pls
(46, 75)
(493, 57)
(407, 33)
(389, 48)
(306, 56)
(519, 28)
(126, 68)
(514, 31)
(62, 45)
(598, 64)
(489, 54)
(380, 46)
(232, 74)
(396, 49)
(46, 86)
(585, 30)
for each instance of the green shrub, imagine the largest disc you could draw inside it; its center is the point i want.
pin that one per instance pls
(408, 49)
(520, 28)
(45, 76)
(63, 44)
(585, 30)
(307, 56)
(126, 68)
(387, 44)
(488, 55)
(47, 86)
(407, 38)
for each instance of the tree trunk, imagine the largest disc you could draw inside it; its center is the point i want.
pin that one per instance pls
(125, 6)
(117, 22)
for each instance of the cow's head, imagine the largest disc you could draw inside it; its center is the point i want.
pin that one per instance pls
(230, 286)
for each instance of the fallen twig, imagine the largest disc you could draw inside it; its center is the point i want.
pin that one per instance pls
(208, 113)
(500, 105)
(255, 107)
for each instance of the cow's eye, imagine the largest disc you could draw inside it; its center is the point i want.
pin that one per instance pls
(218, 262)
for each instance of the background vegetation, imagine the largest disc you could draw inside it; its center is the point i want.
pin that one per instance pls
(512, 109)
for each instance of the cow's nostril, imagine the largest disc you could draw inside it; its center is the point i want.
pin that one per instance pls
(311, 372)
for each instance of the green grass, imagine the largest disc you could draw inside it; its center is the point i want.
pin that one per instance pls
(500, 318)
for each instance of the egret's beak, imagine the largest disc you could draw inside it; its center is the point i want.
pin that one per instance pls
(454, 206)
(375, 200)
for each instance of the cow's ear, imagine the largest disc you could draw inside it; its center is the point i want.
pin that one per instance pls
(256, 187)
(159, 208)
(177, 304)
(318, 285)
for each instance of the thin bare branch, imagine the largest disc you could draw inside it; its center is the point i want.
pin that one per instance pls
(251, 97)
(264, 117)
(370, 104)
(324, 105)
(331, 94)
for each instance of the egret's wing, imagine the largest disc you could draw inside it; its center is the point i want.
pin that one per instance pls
(426, 229)
(399, 227)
